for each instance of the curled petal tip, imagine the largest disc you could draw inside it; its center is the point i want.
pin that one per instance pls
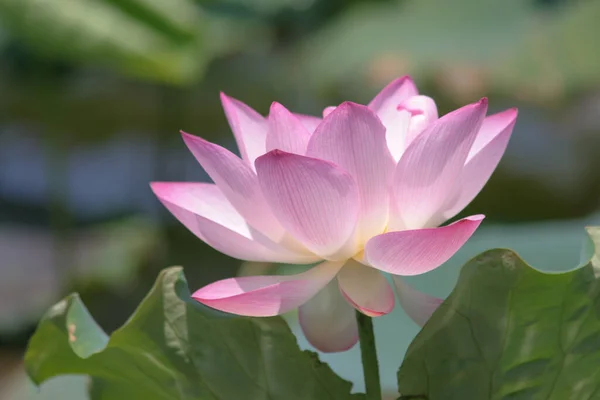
(349, 109)
(477, 217)
(369, 312)
(351, 104)
(191, 140)
(185, 135)
(276, 106)
(155, 186)
(402, 79)
(277, 153)
(224, 97)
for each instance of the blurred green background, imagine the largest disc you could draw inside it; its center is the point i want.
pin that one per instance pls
(94, 92)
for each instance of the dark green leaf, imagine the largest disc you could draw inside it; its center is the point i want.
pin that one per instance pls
(171, 348)
(509, 331)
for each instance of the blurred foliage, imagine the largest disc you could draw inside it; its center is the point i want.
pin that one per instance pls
(109, 254)
(509, 331)
(146, 38)
(466, 47)
(179, 350)
(106, 256)
(296, 51)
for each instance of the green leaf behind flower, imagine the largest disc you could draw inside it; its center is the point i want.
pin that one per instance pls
(172, 348)
(509, 331)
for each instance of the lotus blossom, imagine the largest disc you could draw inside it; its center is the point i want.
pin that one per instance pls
(359, 192)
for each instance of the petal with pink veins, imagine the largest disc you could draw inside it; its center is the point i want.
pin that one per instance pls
(353, 138)
(265, 296)
(286, 132)
(328, 321)
(418, 306)
(483, 158)
(316, 201)
(366, 289)
(431, 166)
(249, 128)
(238, 183)
(414, 252)
(205, 211)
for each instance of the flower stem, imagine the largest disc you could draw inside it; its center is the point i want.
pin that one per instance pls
(369, 356)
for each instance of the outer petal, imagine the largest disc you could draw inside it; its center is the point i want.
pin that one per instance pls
(418, 251)
(328, 321)
(316, 201)
(309, 122)
(237, 182)
(353, 138)
(366, 289)
(483, 158)
(265, 296)
(286, 132)
(248, 126)
(393, 94)
(418, 305)
(205, 211)
(431, 166)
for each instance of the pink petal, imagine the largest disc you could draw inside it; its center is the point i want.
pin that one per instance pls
(265, 296)
(423, 112)
(396, 122)
(418, 251)
(328, 321)
(249, 127)
(483, 158)
(205, 211)
(396, 129)
(238, 183)
(393, 94)
(316, 201)
(353, 138)
(418, 305)
(286, 132)
(366, 289)
(309, 122)
(328, 110)
(430, 168)
(410, 118)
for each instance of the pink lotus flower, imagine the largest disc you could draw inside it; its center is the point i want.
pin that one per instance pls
(361, 191)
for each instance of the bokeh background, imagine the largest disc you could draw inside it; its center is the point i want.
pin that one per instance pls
(94, 92)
